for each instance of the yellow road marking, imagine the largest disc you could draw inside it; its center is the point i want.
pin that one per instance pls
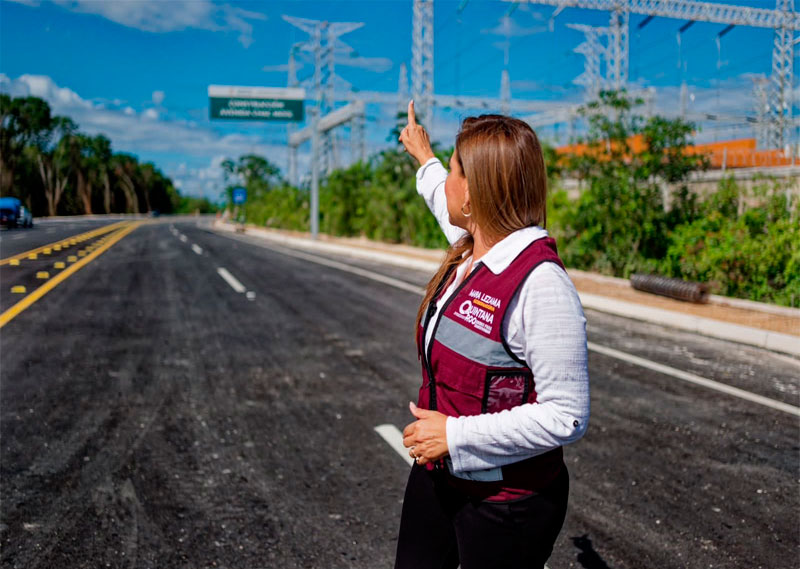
(47, 251)
(59, 265)
(12, 312)
(81, 253)
(14, 262)
(56, 247)
(72, 258)
(43, 275)
(66, 242)
(18, 289)
(33, 256)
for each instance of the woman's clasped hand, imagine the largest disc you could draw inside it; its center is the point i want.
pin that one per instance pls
(426, 437)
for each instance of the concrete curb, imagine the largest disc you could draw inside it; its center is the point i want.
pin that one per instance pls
(773, 341)
(712, 299)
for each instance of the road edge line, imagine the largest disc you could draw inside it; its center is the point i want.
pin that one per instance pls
(636, 360)
(696, 379)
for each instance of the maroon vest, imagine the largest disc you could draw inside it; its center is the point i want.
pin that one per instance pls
(468, 369)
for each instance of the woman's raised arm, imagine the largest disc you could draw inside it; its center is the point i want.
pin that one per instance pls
(431, 175)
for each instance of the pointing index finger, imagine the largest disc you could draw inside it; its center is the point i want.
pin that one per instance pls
(412, 119)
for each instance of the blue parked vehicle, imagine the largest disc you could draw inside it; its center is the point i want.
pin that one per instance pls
(14, 214)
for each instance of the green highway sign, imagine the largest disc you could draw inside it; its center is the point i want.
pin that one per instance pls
(256, 103)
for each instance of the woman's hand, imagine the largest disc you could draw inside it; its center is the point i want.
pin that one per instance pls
(426, 437)
(415, 139)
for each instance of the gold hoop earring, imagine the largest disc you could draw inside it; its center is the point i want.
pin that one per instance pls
(464, 213)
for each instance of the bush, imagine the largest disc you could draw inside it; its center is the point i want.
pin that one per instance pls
(754, 255)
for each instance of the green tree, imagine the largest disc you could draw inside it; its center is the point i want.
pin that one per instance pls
(79, 151)
(621, 221)
(102, 170)
(125, 167)
(51, 156)
(742, 244)
(23, 121)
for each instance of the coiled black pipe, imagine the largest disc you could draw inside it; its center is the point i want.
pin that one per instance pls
(673, 288)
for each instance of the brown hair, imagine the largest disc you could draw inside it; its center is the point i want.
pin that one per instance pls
(502, 160)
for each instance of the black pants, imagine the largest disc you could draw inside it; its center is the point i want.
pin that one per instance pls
(442, 527)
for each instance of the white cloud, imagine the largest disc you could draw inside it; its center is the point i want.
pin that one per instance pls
(158, 97)
(160, 16)
(284, 68)
(506, 26)
(378, 64)
(43, 87)
(526, 85)
(148, 133)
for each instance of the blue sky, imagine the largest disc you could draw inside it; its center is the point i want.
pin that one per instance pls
(138, 71)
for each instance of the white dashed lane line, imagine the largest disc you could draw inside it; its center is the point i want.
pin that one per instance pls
(231, 280)
(221, 271)
(394, 437)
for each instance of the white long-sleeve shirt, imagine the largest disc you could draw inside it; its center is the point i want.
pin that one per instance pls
(544, 326)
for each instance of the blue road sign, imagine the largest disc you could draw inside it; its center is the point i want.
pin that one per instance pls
(239, 196)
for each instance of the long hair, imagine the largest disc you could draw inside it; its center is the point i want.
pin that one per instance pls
(503, 162)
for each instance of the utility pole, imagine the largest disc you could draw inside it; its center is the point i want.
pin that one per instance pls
(760, 96)
(291, 127)
(505, 92)
(324, 44)
(782, 58)
(592, 49)
(402, 89)
(422, 59)
(783, 20)
(618, 46)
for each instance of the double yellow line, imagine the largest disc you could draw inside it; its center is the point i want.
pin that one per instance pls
(123, 229)
(66, 242)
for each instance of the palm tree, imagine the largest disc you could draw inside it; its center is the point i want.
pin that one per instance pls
(79, 152)
(126, 168)
(51, 156)
(101, 155)
(23, 121)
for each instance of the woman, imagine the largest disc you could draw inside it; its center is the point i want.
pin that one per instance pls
(502, 341)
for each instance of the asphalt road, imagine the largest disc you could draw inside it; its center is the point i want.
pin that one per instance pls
(153, 416)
